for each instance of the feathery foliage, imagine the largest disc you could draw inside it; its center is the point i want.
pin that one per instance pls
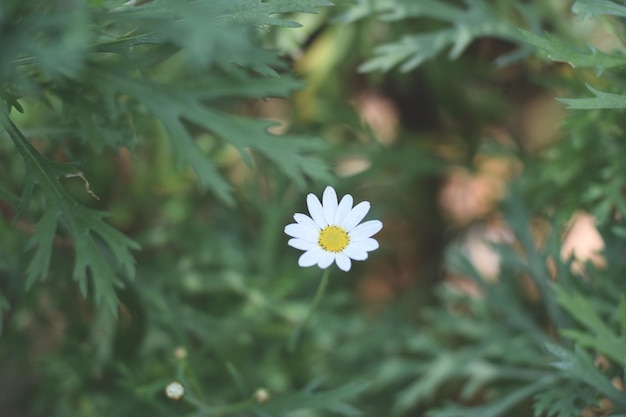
(95, 67)
(143, 197)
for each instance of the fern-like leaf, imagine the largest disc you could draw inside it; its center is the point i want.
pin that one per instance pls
(174, 107)
(102, 252)
(577, 365)
(557, 50)
(591, 8)
(602, 100)
(466, 24)
(598, 334)
(333, 400)
(563, 400)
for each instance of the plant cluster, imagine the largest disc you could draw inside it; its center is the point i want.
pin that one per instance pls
(144, 200)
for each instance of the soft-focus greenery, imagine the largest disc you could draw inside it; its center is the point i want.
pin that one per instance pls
(143, 196)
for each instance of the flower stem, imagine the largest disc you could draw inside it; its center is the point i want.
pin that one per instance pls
(295, 336)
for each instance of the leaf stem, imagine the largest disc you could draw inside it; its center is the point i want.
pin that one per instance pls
(295, 336)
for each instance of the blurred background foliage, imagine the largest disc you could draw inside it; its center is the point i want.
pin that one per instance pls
(498, 289)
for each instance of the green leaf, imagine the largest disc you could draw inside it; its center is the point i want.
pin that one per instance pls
(466, 24)
(333, 400)
(586, 9)
(411, 51)
(260, 13)
(52, 36)
(495, 408)
(597, 335)
(207, 31)
(103, 254)
(224, 55)
(518, 218)
(174, 107)
(601, 100)
(563, 400)
(579, 366)
(396, 10)
(238, 379)
(442, 368)
(557, 50)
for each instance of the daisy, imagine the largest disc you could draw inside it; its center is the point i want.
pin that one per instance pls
(332, 233)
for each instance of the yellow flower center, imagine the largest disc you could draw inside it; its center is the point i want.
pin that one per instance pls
(333, 239)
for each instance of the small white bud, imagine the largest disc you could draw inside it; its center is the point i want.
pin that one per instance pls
(261, 395)
(180, 353)
(175, 390)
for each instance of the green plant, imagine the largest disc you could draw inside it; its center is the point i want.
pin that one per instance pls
(133, 161)
(549, 334)
(100, 81)
(94, 74)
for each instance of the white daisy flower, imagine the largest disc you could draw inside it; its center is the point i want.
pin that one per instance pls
(333, 233)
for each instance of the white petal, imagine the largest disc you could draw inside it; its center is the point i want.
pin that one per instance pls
(316, 210)
(366, 230)
(355, 252)
(305, 220)
(345, 205)
(310, 257)
(355, 215)
(301, 244)
(301, 231)
(329, 203)
(343, 262)
(325, 259)
(367, 245)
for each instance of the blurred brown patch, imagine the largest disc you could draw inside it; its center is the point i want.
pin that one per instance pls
(478, 245)
(467, 196)
(602, 363)
(275, 109)
(539, 121)
(376, 290)
(351, 165)
(381, 114)
(385, 280)
(583, 243)
(463, 285)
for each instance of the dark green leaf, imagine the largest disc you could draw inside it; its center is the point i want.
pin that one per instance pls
(466, 24)
(557, 50)
(586, 9)
(597, 335)
(579, 366)
(495, 408)
(103, 265)
(601, 100)
(564, 399)
(175, 106)
(333, 400)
